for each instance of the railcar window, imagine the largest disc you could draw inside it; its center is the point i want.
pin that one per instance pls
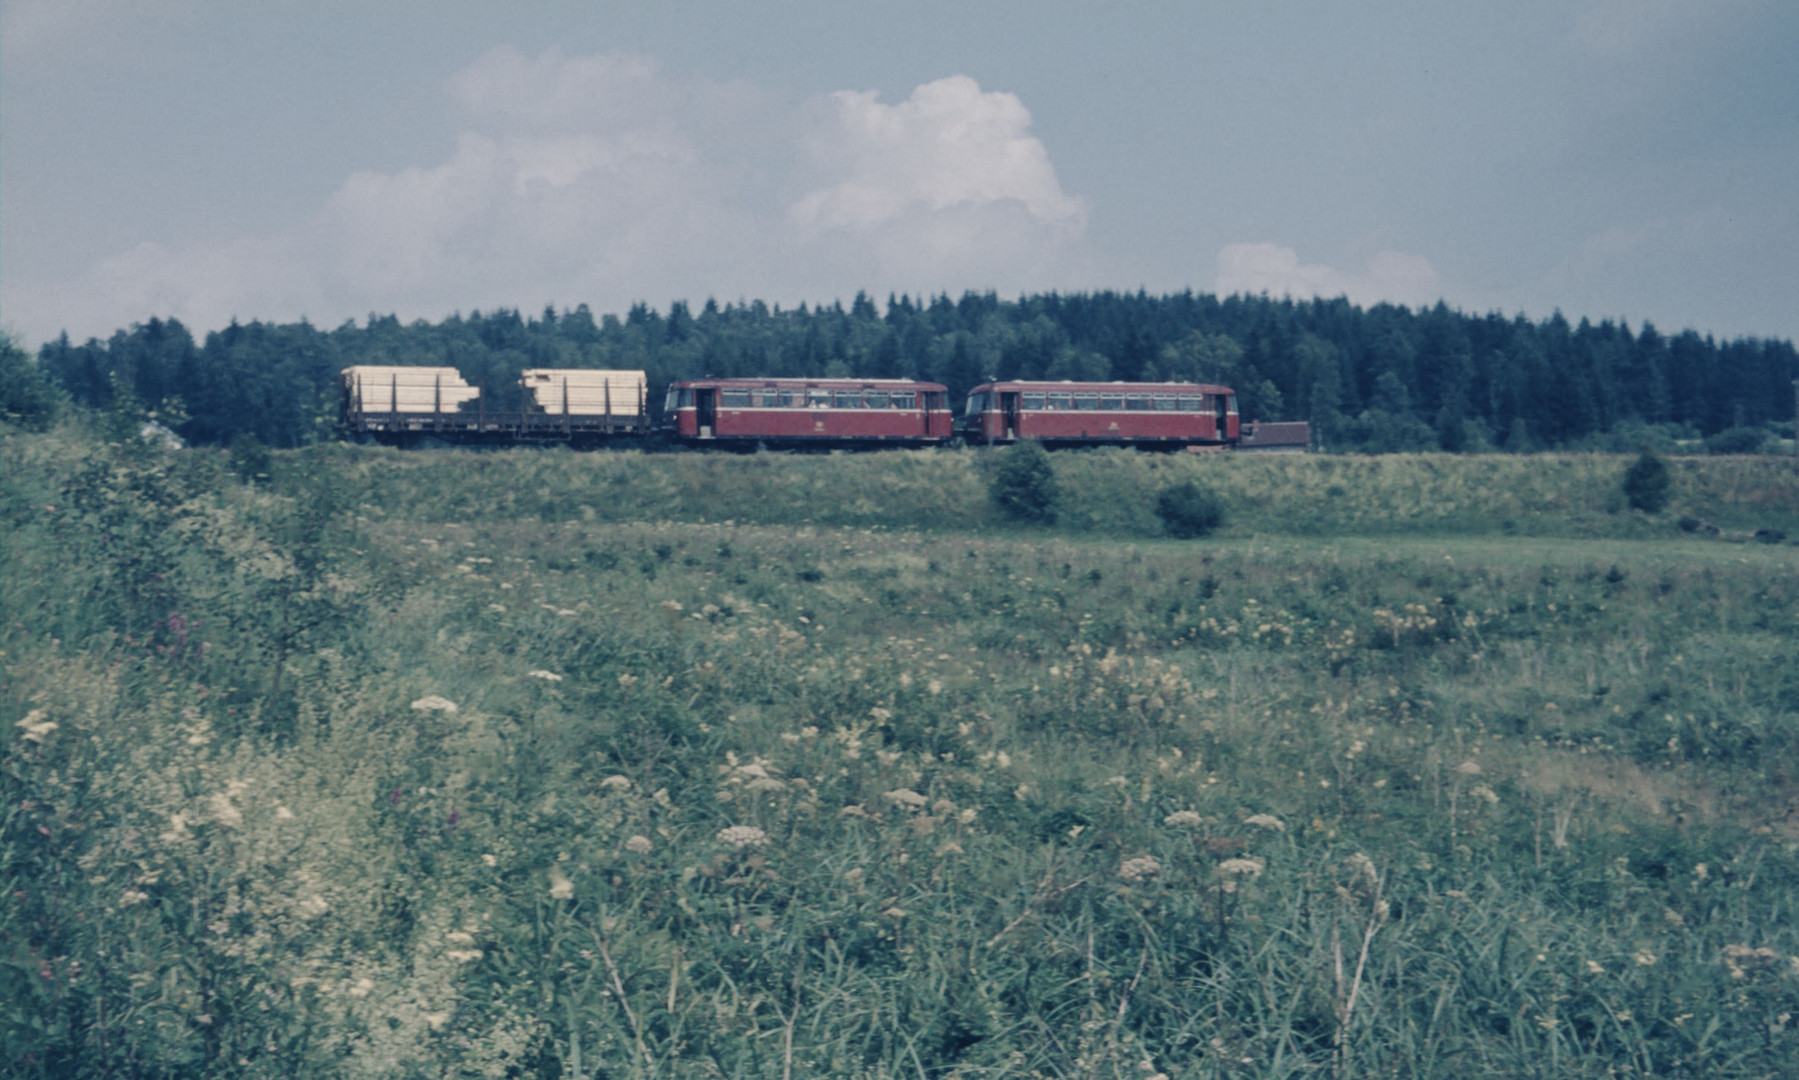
(1136, 402)
(1166, 402)
(1087, 402)
(1060, 401)
(846, 399)
(818, 399)
(790, 400)
(762, 399)
(1111, 402)
(936, 399)
(1030, 401)
(903, 399)
(687, 398)
(977, 403)
(672, 401)
(1191, 403)
(875, 399)
(1231, 404)
(734, 399)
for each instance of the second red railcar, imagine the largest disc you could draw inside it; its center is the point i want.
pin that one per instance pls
(1169, 415)
(809, 412)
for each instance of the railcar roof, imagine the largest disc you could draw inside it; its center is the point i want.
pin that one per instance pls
(1108, 387)
(810, 384)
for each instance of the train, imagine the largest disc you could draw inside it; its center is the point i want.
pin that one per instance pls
(591, 407)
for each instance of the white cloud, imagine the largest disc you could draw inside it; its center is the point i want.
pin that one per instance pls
(950, 144)
(1390, 276)
(602, 180)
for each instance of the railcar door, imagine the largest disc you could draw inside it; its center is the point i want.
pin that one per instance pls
(705, 401)
(1221, 426)
(1008, 407)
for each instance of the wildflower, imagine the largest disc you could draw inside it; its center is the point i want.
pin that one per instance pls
(1186, 819)
(546, 676)
(436, 1019)
(362, 987)
(852, 810)
(895, 913)
(462, 956)
(853, 876)
(313, 906)
(133, 896)
(1246, 867)
(638, 845)
(561, 888)
(626, 679)
(224, 811)
(1469, 768)
(905, 797)
(949, 847)
(742, 836)
(36, 727)
(434, 703)
(1141, 868)
(1644, 958)
(282, 813)
(489, 860)
(1594, 967)
(1482, 791)
(177, 828)
(1265, 821)
(968, 815)
(617, 781)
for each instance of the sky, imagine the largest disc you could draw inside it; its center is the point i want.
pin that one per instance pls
(212, 160)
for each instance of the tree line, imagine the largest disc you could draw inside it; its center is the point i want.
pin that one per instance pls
(1384, 378)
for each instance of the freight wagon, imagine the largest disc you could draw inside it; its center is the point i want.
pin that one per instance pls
(403, 405)
(1151, 415)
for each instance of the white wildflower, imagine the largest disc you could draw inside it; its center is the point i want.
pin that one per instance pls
(546, 676)
(133, 896)
(617, 781)
(561, 888)
(742, 836)
(1186, 819)
(1266, 821)
(1469, 768)
(638, 845)
(1141, 868)
(362, 987)
(1249, 867)
(436, 1019)
(35, 726)
(282, 813)
(905, 797)
(462, 956)
(434, 703)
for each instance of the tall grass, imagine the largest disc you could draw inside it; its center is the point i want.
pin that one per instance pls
(439, 774)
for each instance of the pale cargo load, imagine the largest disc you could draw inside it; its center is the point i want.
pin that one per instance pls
(585, 391)
(378, 388)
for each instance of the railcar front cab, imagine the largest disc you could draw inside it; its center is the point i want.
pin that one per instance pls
(1001, 412)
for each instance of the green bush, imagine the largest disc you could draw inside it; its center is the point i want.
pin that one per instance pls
(26, 396)
(1739, 440)
(1189, 511)
(1647, 484)
(1023, 485)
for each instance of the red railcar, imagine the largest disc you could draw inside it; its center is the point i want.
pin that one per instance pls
(809, 412)
(1168, 415)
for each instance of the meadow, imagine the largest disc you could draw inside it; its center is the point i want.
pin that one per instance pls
(545, 764)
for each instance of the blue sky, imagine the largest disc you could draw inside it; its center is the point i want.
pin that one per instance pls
(1632, 159)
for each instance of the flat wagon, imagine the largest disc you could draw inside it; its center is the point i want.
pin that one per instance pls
(817, 413)
(1154, 415)
(403, 405)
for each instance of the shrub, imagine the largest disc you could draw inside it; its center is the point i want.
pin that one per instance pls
(1739, 440)
(1188, 510)
(26, 396)
(1647, 484)
(1024, 483)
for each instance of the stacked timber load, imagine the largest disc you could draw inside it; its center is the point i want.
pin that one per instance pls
(374, 389)
(585, 391)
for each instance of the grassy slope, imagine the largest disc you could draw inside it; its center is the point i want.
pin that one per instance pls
(1534, 787)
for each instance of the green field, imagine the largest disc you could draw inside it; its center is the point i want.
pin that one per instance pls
(544, 764)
